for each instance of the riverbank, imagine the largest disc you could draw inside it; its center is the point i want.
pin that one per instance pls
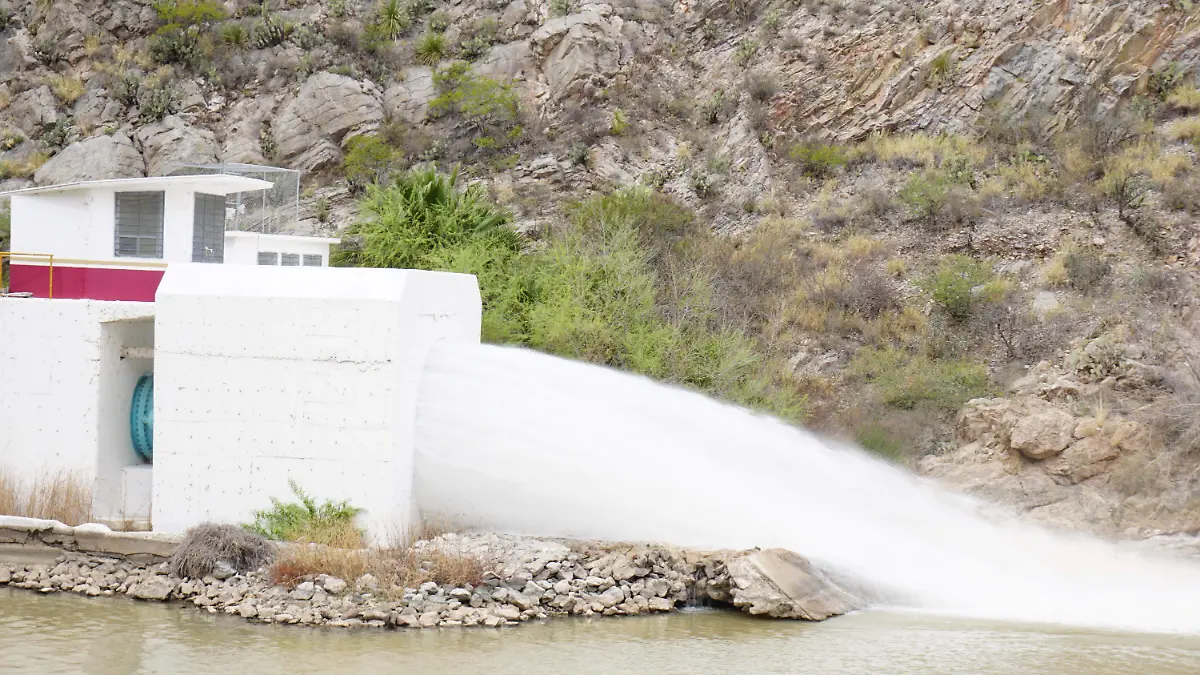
(522, 579)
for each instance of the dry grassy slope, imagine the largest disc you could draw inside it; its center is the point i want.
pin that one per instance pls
(705, 101)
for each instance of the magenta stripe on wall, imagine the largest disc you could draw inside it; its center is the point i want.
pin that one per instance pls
(92, 283)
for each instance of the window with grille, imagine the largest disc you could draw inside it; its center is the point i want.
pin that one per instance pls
(208, 229)
(290, 260)
(139, 230)
(268, 258)
(312, 260)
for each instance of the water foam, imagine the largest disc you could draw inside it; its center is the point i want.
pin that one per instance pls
(526, 443)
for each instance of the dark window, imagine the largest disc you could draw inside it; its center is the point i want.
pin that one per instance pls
(139, 231)
(208, 229)
(312, 260)
(268, 258)
(290, 260)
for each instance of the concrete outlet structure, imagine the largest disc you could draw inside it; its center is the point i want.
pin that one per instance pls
(268, 374)
(261, 375)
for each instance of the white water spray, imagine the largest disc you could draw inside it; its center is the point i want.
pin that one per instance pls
(527, 443)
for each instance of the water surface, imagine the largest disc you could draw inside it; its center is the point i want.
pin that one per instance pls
(62, 633)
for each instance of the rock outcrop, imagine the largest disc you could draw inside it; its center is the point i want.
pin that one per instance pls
(95, 158)
(172, 141)
(776, 583)
(328, 111)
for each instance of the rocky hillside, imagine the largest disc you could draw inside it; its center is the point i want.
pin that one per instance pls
(920, 203)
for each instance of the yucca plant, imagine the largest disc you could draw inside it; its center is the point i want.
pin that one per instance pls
(392, 19)
(431, 48)
(235, 34)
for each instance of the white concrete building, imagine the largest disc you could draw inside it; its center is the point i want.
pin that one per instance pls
(112, 239)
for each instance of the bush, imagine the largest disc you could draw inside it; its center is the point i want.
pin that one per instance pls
(746, 53)
(761, 87)
(270, 32)
(156, 101)
(234, 34)
(66, 89)
(488, 110)
(906, 381)
(1185, 99)
(562, 7)
(369, 160)
(818, 160)
(306, 521)
(602, 290)
(430, 48)
(958, 285)
(207, 544)
(1165, 80)
(1087, 270)
(392, 19)
(180, 36)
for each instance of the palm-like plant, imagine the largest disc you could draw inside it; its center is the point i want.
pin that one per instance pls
(430, 48)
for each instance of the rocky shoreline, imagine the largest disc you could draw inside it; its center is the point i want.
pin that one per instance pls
(527, 579)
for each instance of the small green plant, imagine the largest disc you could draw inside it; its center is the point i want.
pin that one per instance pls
(439, 21)
(47, 51)
(5, 18)
(770, 23)
(369, 161)
(181, 35)
(562, 7)
(430, 49)
(488, 110)
(303, 521)
(234, 34)
(1165, 80)
(959, 285)
(619, 123)
(817, 159)
(321, 210)
(270, 32)
(1088, 270)
(579, 154)
(10, 139)
(266, 140)
(903, 380)
(157, 101)
(336, 9)
(746, 53)
(56, 137)
(392, 19)
(702, 185)
(940, 69)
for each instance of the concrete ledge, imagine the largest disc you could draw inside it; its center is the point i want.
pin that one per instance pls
(29, 536)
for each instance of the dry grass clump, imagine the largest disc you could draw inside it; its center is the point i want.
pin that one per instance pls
(394, 568)
(63, 496)
(209, 543)
(1185, 129)
(922, 150)
(66, 89)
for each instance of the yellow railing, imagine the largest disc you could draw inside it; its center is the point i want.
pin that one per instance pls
(49, 258)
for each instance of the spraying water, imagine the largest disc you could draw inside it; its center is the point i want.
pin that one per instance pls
(531, 444)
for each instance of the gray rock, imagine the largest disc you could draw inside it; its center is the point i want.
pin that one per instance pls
(660, 605)
(223, 570)
(172, 141)
(409, 99)
(429, 588)
(1044, 433)
(507, 612)
(96, 158)
(578, 49)
(35, 111)
(304, 591)
(328, 110)
(333, 585)
(367, 583)
(154, 588)
(611, 597)
(492, 621)
(781, 584)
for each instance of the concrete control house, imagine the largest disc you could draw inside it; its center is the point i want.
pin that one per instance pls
(187, 372)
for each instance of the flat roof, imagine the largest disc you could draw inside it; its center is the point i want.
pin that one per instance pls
(286, 237)
(211, 183)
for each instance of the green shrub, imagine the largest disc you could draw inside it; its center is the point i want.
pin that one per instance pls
(369, 160)
(746, 53)
(5, 18)
(818, 160)
(270, 32)
(903, 380)
(430, 49)
(488, 110)
(235, 34)
(157, 101)
(1088, 270)
(594, 292)
(305, 521)
(562, 7)
(958, 285)
(180, 37)
(392, 19)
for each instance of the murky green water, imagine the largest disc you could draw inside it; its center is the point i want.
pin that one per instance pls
(64, 633)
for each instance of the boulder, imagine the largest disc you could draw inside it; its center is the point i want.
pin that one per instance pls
(781, 584)
(172, 141)
(329, 110)
(240, 133)
(1084, 459)
(95, 158)
(1043, 433)
(155, 588)
(34, 111)
(409, 98)
(580, 49)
